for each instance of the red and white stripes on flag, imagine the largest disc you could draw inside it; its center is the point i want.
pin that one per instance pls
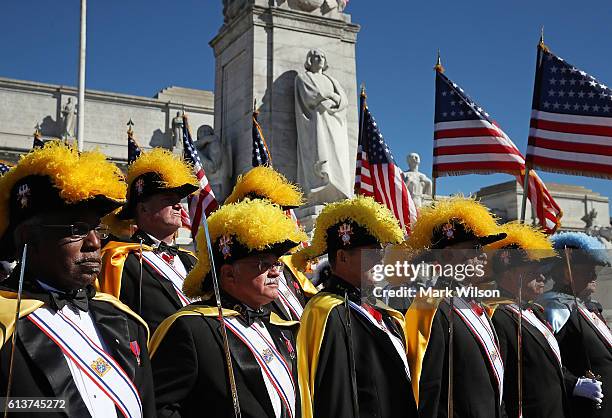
(377, 175)
(203, 202)
(481, 147)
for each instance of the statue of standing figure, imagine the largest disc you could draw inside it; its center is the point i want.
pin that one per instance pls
(322, 135)
(69, 118)
(216, 156)
(418, 183)
(177, 134)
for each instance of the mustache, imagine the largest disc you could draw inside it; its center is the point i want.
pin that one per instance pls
(271, 280)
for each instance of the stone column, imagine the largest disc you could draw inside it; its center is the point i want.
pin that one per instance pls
(258, 52)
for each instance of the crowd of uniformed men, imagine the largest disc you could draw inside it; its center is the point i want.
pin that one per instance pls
(116, 320)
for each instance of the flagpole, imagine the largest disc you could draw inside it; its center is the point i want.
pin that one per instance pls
(536, 98)
(81, 102)
(438, 68)
(362, 104)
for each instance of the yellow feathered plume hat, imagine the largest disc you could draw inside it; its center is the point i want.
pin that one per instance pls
(453, 220)
(523, 243)
(264, 182)
(238, 230)
(348, 224)
(153, 172)
(56, 177)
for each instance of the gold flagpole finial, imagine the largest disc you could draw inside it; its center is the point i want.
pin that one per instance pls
(362, 89)
(130, 132)
(438, 67)
(255, 111)
(541, 44)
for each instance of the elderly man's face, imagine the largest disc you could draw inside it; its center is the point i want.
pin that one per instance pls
(59, 257)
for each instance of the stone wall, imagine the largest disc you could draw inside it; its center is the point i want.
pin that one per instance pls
(24, 104)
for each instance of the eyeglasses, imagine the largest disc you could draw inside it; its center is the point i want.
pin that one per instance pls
(264, 266)
(80, 230)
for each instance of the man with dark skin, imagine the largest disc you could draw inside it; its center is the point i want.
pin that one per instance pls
(85, 349)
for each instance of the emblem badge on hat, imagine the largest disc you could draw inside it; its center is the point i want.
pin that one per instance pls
(23, 195)
(224, 246)
(100, 366)
(344, 232)
(449, 231)
(139, 186)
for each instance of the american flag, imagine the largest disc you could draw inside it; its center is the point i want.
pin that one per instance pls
(468, 141)
(571, 120)
(4, 168)
(377, 174)
(204, 201)
(261, 153)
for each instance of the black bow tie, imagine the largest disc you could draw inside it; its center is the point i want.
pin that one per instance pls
(76, 298)
(250, 315)
(167, 248)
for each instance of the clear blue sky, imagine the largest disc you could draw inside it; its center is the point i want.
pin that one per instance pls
(488, 47)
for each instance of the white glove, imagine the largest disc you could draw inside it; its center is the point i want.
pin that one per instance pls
(589, 388)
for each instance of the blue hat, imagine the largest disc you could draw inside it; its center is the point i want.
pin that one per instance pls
(592, 247)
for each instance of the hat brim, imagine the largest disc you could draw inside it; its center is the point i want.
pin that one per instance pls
(489, 239)
(128, 211)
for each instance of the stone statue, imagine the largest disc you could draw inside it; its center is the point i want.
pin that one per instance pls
(216, 156)
(177, 134)
(588, 218)
(322, 135)
(418, 183)
(69, 118)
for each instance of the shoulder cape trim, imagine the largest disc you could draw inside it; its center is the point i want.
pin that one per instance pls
(8, 305)
(309, 340)
(114, 255)
(309, 289)
(417, 330)
(206, 311)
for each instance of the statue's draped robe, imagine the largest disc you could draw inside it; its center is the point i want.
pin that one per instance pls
(322, 146)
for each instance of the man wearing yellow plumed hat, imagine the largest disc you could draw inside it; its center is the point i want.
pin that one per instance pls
(151, 285)
(265, 183)
(516, 263)
(188, 355)
(86, 352)
(352, 351)
(462, 372)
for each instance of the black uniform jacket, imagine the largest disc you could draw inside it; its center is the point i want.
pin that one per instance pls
(40, 369)
(159, 299)
(190, 371)
(544, 392)
(580, 345)
(382, 384)
(475, 389)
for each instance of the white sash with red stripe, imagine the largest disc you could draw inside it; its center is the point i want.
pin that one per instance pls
(598, 324)
(91, 359)
(397, 343)
(274, 367)
(288, 299)
(530, 317)
(168, 272)
(483, 331)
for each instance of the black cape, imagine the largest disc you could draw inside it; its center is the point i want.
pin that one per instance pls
(383, 388)
(159, 299)
(544, 391)
(40, 368)
(190, 373)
